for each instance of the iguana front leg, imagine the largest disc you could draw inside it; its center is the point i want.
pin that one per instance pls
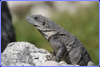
(58, 47)
(60, 53)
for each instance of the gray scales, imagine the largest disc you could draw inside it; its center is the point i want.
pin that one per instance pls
(65, 45)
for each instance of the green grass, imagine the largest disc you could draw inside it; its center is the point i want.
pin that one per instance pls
(84, 25)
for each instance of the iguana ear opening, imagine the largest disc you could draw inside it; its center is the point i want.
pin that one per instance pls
(45, 22)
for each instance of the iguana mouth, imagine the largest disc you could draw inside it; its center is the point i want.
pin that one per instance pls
(36, 25)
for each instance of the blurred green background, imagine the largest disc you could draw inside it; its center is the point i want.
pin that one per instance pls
(84, 24)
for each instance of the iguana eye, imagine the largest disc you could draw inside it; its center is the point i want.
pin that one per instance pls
(35, 18)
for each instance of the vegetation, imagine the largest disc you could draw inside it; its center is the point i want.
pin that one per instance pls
(84, 25)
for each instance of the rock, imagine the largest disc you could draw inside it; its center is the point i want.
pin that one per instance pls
(26, 54)
(51, 63)
(54, 63)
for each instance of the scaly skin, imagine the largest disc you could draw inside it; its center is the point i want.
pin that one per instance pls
(65, 45)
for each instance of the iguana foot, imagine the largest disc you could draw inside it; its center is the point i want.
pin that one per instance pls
(57, 59)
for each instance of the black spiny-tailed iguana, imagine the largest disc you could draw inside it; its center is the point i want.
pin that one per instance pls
(65, 45)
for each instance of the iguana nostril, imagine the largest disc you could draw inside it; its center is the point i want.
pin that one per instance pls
(27, 17)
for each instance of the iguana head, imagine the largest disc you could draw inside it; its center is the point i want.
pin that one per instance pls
(46, 26)
(38, 21)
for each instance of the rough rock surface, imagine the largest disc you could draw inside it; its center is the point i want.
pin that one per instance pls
(54, 63)
(26, 54)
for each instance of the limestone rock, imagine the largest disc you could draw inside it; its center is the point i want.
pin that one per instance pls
(51, 63)
(24, 54)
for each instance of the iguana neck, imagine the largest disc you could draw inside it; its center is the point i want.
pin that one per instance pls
(48, 33)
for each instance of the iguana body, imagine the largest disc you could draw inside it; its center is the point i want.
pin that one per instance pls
(65, 45)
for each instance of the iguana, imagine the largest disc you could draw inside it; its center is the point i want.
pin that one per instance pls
(65, 45)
